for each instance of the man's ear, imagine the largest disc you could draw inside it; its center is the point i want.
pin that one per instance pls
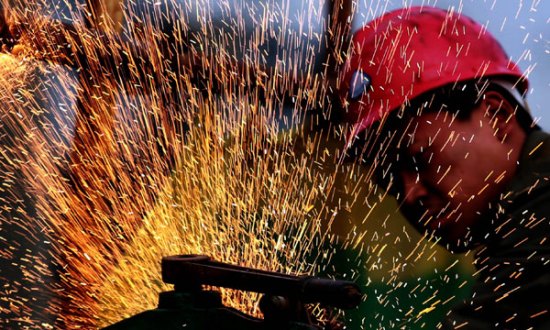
(501, 114)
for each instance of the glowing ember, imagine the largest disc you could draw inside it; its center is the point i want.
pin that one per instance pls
(177, 146)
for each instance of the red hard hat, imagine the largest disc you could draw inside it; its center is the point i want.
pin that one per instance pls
(410, 51)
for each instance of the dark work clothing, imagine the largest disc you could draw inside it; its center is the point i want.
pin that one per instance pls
(513, 284)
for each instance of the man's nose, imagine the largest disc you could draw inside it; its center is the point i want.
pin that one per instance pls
(414, 189)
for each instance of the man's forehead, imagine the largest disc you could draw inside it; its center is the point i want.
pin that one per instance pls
(406, 131)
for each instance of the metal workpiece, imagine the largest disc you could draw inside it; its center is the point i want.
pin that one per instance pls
(191, 306)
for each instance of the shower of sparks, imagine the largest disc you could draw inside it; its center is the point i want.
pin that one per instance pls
(176, 147)
(132, 142)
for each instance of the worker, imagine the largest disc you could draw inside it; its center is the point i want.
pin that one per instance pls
(435, 107)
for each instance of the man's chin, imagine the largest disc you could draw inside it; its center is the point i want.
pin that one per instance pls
(451, 241)
(457, 247)
(446, 231)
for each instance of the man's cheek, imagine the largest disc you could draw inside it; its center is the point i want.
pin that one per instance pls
(455, 189)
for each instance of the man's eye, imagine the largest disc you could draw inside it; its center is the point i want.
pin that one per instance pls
(421, 161)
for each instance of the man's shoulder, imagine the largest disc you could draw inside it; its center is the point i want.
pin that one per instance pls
(523, 224)
(514, 267)
(531, 182)
(534, 164)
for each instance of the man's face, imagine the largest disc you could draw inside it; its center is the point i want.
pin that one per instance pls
(448, 171)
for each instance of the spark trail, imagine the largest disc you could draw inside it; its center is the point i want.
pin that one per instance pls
(154, 131)
(176, 146)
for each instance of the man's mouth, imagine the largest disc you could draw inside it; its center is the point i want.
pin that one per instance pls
(431, 218)
(436, 221)
(440, 222)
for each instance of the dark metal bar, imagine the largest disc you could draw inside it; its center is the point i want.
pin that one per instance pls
(190, 272)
